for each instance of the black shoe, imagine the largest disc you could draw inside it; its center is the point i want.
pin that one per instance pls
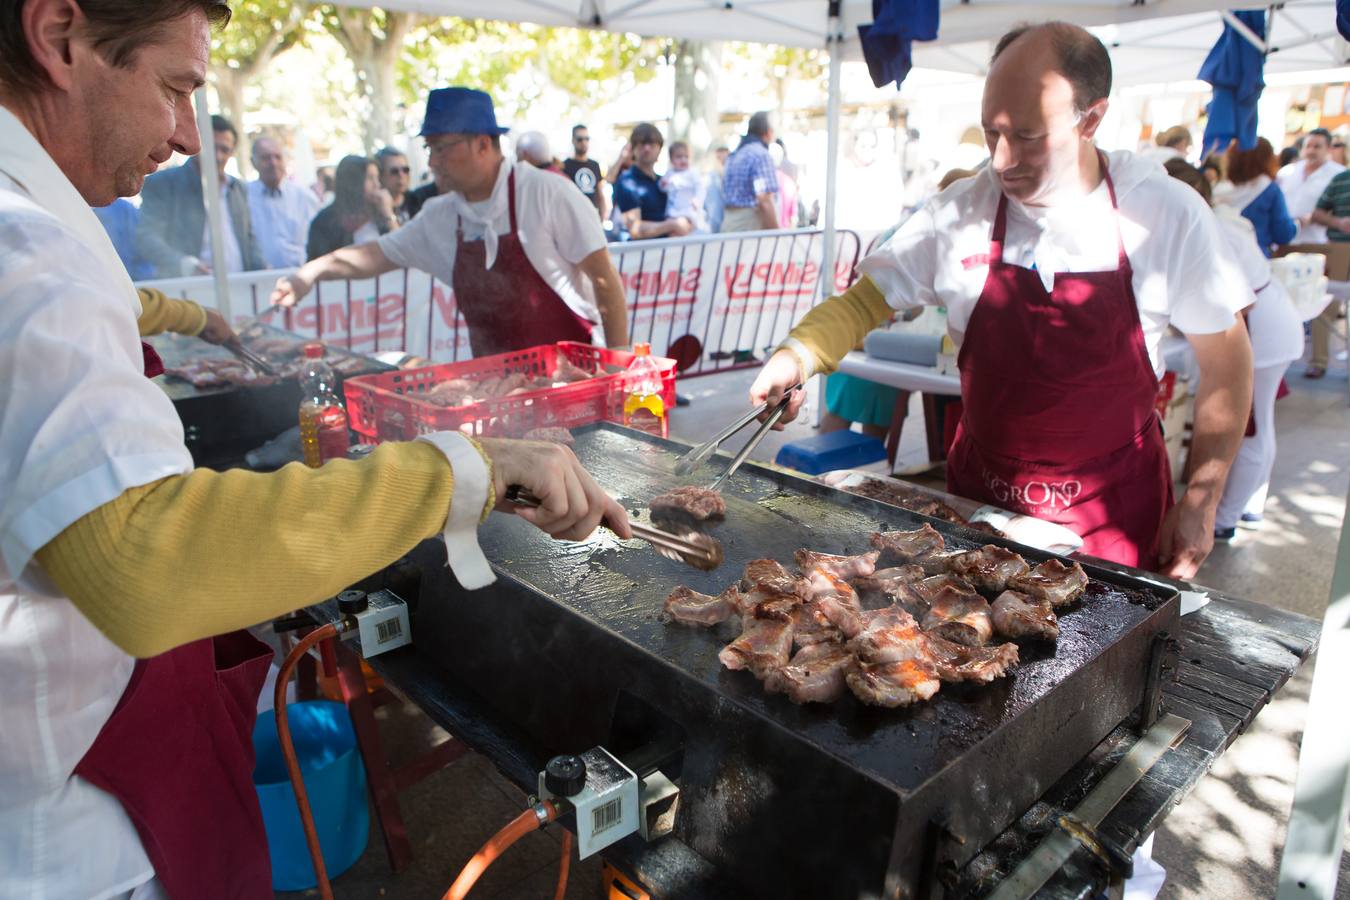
(1224, 535)
(682, 400)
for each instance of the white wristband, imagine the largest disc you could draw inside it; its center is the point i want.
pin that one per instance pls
(470, 472)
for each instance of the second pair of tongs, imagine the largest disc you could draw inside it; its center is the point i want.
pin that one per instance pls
(696, 457)
(698, 550)
(251, 359)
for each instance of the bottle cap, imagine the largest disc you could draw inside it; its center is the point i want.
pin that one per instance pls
(314, 351)
(642, 349)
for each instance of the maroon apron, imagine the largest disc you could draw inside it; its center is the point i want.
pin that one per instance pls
(510, 306)
(177, 752)
(1059, 405)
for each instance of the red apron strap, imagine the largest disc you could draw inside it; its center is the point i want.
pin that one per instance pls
(511, 198)
(1000, 230)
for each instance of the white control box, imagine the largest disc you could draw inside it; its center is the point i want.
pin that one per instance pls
(384, 624)
(607, 807)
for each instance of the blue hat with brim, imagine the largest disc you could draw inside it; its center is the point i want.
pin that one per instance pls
(459, 110)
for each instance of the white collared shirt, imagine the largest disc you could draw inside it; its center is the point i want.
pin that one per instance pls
(1301, 193)
(1184, 273)
(557, 225)
(281, 221)
(79, 425)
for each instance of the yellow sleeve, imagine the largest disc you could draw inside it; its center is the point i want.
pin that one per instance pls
(160, 314)
(832, 329)
(206, 553)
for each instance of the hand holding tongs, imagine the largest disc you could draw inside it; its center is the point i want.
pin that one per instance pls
(251, 359)
(698, 550)
(694, 458)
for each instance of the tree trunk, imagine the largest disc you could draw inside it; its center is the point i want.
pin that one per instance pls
(698, 64)
(375, 59)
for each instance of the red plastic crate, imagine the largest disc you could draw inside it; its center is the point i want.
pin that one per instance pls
(389, 406)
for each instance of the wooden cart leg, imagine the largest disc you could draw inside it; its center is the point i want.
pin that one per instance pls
(932, 424)
(383, 786)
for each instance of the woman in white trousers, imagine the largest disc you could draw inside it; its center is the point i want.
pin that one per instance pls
(1277, 340)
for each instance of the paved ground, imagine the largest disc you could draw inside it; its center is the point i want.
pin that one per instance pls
(1223, 842)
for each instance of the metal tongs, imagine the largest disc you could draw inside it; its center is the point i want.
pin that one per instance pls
(696, 457)
(251, 359)
(695, 549)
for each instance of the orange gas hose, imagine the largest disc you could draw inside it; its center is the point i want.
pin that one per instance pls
(288, 753)
(566, 862)
(498, 844)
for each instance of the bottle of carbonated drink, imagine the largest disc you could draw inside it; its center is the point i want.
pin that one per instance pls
(323, 420)
(643, 407)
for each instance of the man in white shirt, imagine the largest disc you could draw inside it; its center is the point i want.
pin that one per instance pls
(281, 209)
(1061, 268)
(1303, 182)
(522, 248)
(126, 775)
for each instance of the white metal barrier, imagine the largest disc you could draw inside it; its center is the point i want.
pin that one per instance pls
(713, 302)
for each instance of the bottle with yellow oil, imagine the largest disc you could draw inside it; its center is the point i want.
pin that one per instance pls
(643, 406)
(323, 420)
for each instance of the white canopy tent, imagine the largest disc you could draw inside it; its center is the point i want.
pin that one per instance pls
(1150, 40)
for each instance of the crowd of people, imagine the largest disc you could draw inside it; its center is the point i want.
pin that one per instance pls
(274, 222)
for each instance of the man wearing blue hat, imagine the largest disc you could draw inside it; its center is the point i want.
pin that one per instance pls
(522, 249)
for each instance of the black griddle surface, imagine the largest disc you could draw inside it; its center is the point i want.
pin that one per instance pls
(621, 586)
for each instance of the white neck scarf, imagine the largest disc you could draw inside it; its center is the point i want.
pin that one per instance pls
(23, 159)
(485, 214)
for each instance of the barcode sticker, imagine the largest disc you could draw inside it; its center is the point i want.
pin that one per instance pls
(388, 631)
(607, 816)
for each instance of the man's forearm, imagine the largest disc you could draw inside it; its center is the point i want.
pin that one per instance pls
(613, 311)
(767, 211)
(643, 231)
(348, 264)
(1323, 217)
(1222, 407)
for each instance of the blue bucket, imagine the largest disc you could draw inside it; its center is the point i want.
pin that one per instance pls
(335, 780)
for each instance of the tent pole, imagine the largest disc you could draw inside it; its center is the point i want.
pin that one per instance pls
(834, 43)
(206, 161)
(1310, 865)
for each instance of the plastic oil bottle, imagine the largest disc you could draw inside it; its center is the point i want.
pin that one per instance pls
(323, 420)
(643, 407)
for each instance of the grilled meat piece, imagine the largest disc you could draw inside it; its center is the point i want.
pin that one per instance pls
(845, 567)
(689, 607)
(552, 435)
(889, 635)
(893, 684)
(1052, 581)
(886, 586)
(899, 548)
(694, 502)
(981, 665)
(764, 646)
(984, 527)
(960, 618)
(814, 675)
(771, 573)
(936, 587)
(836, 600)
(1018, 615)
(988, 568)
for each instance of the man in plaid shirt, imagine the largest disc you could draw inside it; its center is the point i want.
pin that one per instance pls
(750, 186)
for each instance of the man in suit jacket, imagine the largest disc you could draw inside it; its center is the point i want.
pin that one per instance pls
(173, 232)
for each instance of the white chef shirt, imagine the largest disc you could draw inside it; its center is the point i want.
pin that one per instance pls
(1301, 193)
(556, 224)
(1275, 326)
(281, 221)
(79, 425)
(234, 257)
(1184, 272)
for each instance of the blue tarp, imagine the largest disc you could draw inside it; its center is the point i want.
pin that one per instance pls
(1234, 69)
(1343, 18)
(886, 42)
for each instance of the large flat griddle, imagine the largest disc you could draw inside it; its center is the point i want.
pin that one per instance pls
(570, 647)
